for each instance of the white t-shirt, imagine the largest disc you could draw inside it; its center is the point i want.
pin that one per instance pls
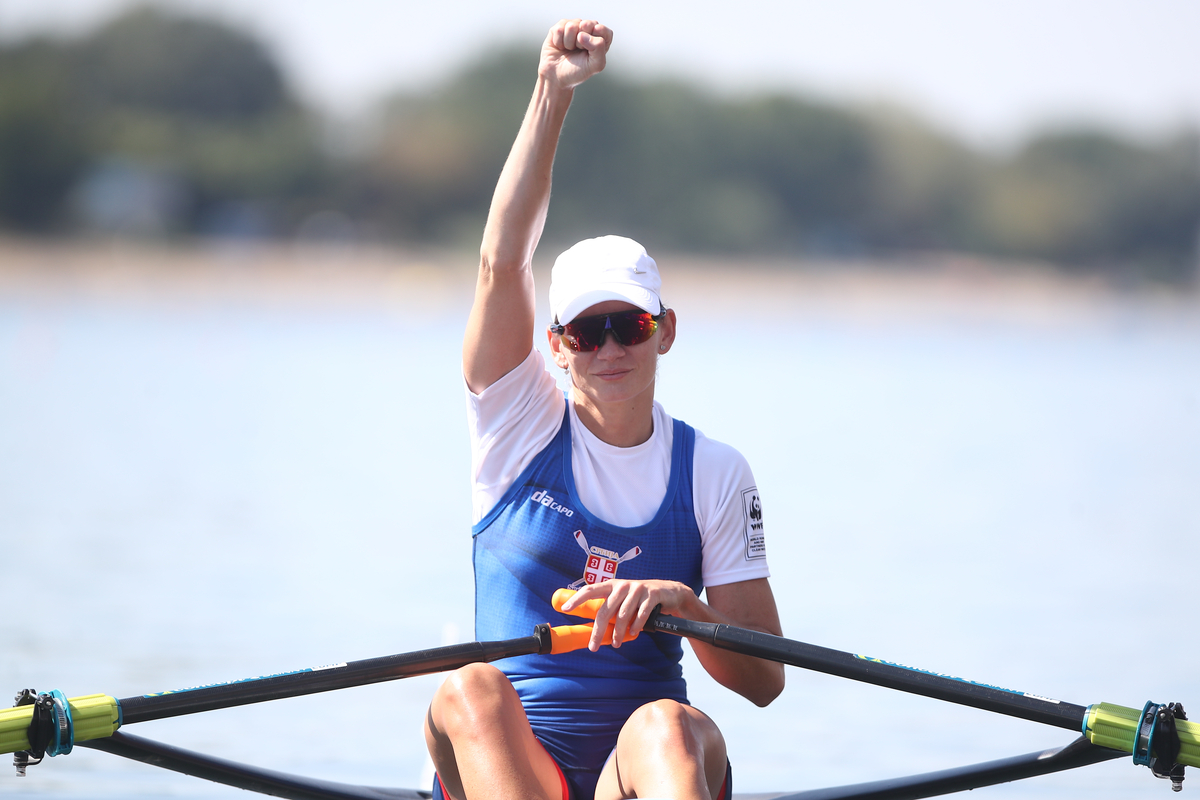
(515, 418)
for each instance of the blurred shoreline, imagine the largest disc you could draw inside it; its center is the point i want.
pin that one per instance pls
(268, 273)
(433, 280)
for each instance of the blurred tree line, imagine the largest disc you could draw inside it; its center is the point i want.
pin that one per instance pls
(159, 124)
(153, 124)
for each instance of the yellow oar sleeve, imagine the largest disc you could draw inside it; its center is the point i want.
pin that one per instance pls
(1116, 727)
(94, 716)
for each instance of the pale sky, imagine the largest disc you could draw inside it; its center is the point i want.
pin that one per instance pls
(991, 71)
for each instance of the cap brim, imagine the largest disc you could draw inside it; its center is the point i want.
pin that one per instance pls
(642, 298)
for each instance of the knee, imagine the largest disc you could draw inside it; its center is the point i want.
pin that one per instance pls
(470, 697)
(662, 714)
(475, 679)
(665, 723)
(668, 732)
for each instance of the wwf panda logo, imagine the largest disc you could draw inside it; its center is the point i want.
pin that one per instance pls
(756, 546)
(755, 509)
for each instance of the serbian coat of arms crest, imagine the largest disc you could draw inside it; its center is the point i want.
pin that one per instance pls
(601, 564)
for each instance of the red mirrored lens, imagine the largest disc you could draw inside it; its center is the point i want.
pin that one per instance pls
(587, 333)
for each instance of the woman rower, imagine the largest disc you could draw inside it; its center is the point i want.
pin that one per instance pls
(579, 491)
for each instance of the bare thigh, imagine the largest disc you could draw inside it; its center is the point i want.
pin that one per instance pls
(481, 743)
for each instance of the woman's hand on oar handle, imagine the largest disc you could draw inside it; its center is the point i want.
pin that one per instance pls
(622, 608)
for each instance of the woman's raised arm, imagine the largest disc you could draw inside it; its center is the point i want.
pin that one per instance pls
(500, 329)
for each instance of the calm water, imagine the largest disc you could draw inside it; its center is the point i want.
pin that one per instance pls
(192, 492)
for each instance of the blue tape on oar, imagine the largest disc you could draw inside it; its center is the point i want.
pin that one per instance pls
(64, 726)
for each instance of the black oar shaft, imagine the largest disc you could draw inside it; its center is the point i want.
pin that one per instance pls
(295, 787)
(143, 708)
(1079, 753)
(242, 776)
(892, 676)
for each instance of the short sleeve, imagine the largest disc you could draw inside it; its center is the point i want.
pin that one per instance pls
(510, 422)
(728, 513)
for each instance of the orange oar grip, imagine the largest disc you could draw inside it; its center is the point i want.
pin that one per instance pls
(566, 638)
(588, 609)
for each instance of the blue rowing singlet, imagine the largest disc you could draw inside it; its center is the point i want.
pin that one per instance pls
(540, 538)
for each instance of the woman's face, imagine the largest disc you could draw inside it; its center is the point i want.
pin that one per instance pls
(615, 373)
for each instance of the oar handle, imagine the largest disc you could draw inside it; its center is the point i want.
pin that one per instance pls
(576, 637)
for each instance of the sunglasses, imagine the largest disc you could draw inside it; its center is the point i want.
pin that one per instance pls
(586, 334)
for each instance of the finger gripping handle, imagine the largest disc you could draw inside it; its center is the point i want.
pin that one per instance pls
(589, 609)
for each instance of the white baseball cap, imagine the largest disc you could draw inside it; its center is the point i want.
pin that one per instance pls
(606, 268)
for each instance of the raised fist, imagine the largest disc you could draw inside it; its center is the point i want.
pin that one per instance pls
(574, 51)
